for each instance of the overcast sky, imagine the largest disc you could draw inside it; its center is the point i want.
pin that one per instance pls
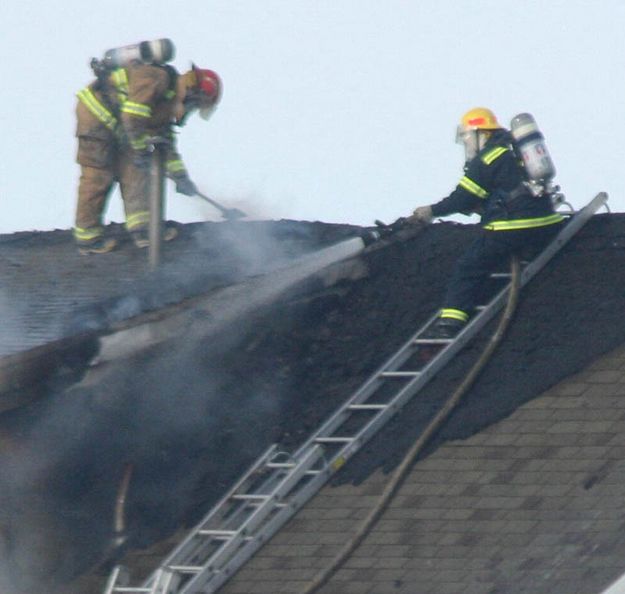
(333, 110)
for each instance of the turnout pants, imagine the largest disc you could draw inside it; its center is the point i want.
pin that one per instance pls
(491, 250)
(95, 186)
(103, 162)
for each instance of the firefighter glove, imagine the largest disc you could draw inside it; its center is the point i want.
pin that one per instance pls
(421, 215)
(185, 186)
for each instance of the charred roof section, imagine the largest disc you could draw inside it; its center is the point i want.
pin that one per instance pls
(192, 416)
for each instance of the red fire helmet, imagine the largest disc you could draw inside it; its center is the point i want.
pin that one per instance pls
(210, 87)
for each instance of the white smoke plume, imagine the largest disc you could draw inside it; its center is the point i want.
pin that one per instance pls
(172, 412)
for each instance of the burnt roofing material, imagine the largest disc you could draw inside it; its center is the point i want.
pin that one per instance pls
(276, 376)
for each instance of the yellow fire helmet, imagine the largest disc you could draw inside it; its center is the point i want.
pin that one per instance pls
(479, 118)
(472, 122)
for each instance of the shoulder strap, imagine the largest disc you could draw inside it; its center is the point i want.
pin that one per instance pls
(493, 154)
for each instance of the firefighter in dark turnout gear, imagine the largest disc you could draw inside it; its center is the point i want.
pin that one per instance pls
(116, 116)
(513, 219)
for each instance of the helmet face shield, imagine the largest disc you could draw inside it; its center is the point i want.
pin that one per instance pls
(206, 104)
(475, 129)
(195, 99)
(470, 139)
(460, 134)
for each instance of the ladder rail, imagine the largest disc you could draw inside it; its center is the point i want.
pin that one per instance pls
(375, 381)
(284, 488)
(212, 566)
(211, 583)
(191, 546)
(280, 488)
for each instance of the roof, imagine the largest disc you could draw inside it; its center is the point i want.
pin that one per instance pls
(532, 503)
(46, 282)
(193, 416)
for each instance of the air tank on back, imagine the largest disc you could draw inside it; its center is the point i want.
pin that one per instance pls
(158, 51)
(530, 144)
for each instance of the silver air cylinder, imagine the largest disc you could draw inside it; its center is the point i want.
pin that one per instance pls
(531, 146)
(158, 51)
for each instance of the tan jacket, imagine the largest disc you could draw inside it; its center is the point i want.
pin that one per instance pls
(130, 106)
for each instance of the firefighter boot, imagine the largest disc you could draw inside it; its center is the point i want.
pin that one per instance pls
(441, 329)
(444, 328)
(100, 245)
(141, 237)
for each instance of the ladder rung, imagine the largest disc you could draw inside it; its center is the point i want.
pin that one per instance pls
(223, 538)
(334, 439)
(367, 406)
(128, 589)
(433, 340)
(400, 374)
(217, 533)
(251, 497)
(280, 465)
(500, 275)
(185, 568)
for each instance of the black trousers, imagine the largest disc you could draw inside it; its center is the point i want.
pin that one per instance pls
(490, 251)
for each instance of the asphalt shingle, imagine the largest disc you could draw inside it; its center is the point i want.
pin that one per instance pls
(534, 513)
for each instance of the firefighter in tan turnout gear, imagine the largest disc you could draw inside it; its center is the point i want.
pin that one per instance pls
(136, 97)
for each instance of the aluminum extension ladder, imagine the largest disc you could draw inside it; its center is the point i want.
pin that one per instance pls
(278, 484)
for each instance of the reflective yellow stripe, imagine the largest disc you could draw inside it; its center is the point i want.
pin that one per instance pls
(470, 186)
(455, 314)
(493, 154)
(524, 223)
(97, 109)
(140, 110)
(174, 166)
(88, 234)
(139, 143)
(137, 219)
(120, 80)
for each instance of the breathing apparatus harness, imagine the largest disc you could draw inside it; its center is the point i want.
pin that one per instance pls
(528, 144)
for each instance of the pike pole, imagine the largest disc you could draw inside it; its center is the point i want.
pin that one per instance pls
(157, 201)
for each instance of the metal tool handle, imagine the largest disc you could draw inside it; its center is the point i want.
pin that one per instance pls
(227, 213)
(211, 201)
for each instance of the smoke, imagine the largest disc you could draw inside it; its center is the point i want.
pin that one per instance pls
(177, 412)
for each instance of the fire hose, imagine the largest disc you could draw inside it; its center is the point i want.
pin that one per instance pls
(433, 426)
(119, 518)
